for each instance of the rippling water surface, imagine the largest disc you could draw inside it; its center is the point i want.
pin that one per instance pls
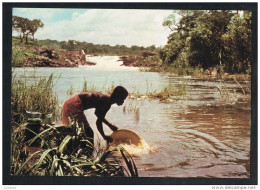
(205, 133)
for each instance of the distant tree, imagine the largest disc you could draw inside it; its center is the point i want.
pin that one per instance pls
(151, 48)
(63, 44)
(134, 48)
(170, 22)
(90, 48)
(21, 25)
(26, 27)
(34, 25)
(71, 44)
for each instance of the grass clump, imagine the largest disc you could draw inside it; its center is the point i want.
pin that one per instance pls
(170, 91)
(21, 55)
(88, 87)
(66, 152)
(33, 96)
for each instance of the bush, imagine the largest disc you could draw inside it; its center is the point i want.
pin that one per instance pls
(151, 60)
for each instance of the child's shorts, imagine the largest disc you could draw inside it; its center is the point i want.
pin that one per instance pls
(73, 108)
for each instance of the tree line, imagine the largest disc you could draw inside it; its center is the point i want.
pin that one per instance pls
(91, 48)
(204, 39)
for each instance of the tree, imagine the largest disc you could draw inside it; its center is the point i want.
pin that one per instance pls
(34, 25)
(206, 45)
(21, 25)
(71, 44)
(175, 53)
(214, 38)
(26, 27)
(237, 43)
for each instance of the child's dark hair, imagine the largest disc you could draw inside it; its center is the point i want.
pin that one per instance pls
(119, 92)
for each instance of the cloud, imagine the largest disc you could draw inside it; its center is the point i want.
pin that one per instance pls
(45, 15)
(102, 26)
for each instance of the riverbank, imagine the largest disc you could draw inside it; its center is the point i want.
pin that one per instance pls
(38, 56)
(196, 72)
(35, 56)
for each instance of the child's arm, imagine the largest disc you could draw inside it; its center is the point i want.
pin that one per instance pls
(111, 126)
(101, 113)
(101, 131)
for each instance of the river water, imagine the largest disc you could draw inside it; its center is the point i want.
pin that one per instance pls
(205, 133)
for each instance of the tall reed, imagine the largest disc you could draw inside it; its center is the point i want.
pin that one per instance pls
(33, 96)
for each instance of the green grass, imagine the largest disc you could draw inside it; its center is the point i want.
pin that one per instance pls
(21, 55)
(36, 95)
(169, 92)
(68, 156)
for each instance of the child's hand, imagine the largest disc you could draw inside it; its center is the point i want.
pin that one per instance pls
(114, 128)
(108, 139)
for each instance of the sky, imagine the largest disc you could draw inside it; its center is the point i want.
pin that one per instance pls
(101, 26)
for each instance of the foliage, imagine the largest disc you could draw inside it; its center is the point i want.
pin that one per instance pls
(26, 27)
(237, 44)
(33, 96)
(21, 55)
(151, 60)
(68, 155)
(168, 92)
(205, 39)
